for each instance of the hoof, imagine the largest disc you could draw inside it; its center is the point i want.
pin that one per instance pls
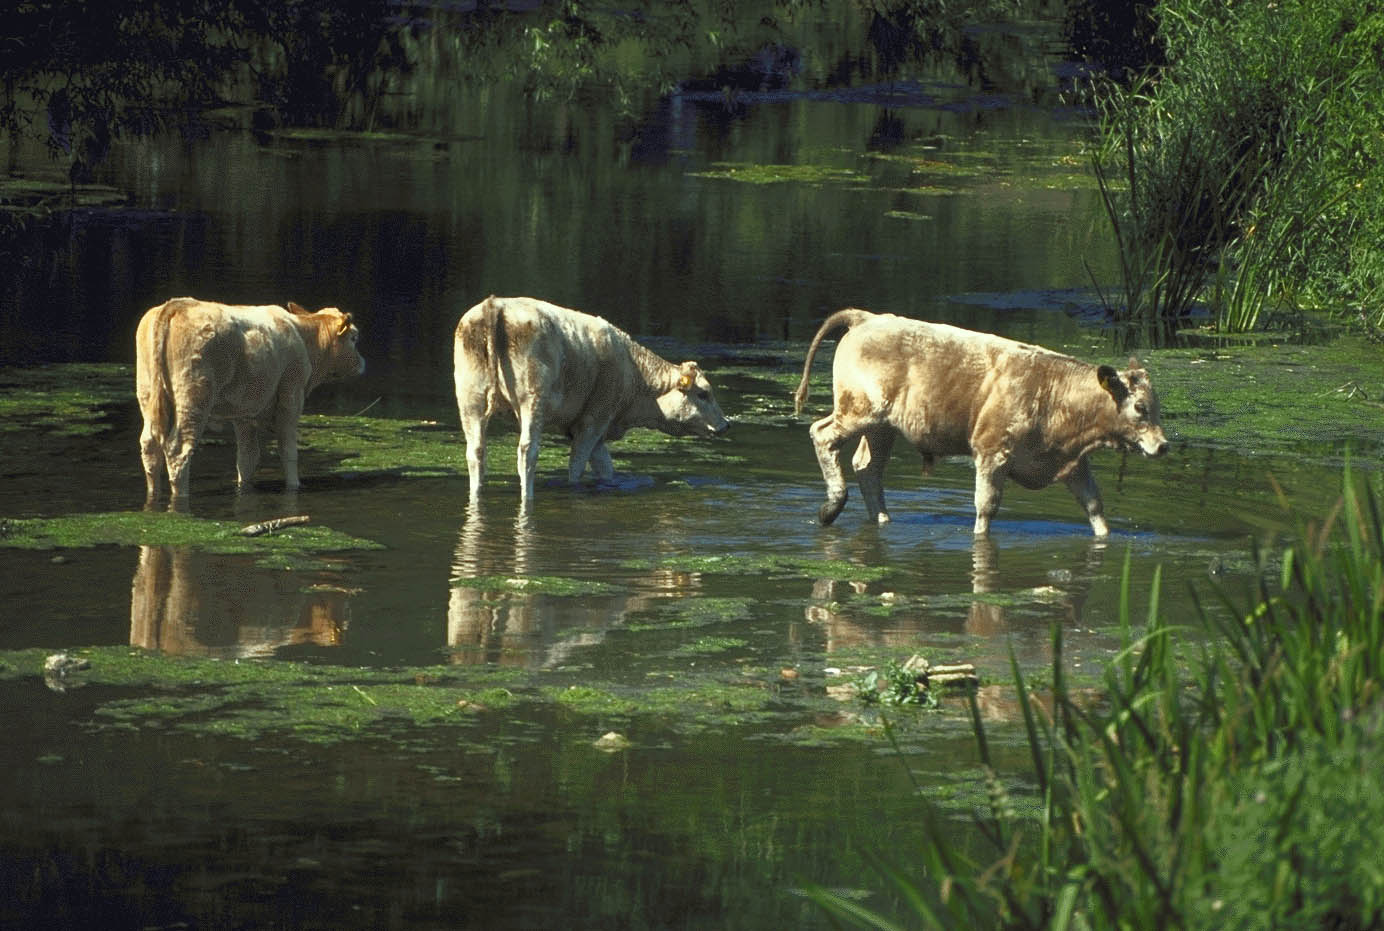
(830, 511)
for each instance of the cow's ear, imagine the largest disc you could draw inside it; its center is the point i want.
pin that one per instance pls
(689, 375)
(1110, 381)
(295, 308)
(345, 326)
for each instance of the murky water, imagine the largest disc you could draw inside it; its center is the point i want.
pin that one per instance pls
(695, 608)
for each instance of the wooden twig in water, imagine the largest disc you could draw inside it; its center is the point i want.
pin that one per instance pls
(367, 407)
(930, 676)
(269, 526)
(1353, 392)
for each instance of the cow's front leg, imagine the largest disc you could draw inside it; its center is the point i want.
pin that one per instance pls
(286, 423)
(601, 462)
(870, 458)
(587, 438)
(990, 475)
(1083, 486)
(247, 452)
(828, 441)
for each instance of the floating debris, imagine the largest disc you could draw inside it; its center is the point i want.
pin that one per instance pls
(610, 742)
(953, 675)
(58, 666)
(269, 526)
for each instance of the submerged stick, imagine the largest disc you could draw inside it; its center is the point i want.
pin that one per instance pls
(269, 526)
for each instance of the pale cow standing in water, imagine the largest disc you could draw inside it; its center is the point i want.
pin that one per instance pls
(565, 372)
(1020, 411)
(199, 362)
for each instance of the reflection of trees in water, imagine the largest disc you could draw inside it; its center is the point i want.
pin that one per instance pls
(80, 73)
(184, 602)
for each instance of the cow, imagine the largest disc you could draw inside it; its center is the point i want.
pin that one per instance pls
(565, 372)
(199, 363)
(1020, 411)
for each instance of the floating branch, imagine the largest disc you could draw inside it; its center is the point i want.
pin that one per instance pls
(269, 526)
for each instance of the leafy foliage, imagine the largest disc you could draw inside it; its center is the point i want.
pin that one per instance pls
(1240, 171)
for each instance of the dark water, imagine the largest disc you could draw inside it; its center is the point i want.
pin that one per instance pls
(949, 203)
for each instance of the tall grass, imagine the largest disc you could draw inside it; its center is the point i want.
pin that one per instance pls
(1245, 173)
(1224, 782)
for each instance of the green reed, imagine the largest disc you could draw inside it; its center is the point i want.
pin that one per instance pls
(1244, 175)
(1227, 777)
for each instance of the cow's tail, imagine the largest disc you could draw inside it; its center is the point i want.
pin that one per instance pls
(849, 317)
(499, 364)
(156, 364)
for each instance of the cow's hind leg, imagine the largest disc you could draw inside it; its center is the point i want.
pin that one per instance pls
(527, 459)
(828, 441)
(871, 456)
(474, 418)
(1087, 493)
(177, 453)
(155, 469)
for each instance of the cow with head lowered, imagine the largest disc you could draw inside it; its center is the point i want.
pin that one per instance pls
(1020, 411)
(199, 362)
(565, 372)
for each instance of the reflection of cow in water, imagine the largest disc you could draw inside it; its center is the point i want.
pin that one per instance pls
(492, 619)
(186, 602)
(914, 626)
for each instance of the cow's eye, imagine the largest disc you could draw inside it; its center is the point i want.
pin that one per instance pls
(704, 394)
(1141, 409)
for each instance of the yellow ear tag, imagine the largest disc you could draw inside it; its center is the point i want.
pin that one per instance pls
(685, 382)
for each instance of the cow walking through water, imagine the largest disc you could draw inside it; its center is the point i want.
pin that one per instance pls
(199, 362)
(1020, 411)
(565, 372)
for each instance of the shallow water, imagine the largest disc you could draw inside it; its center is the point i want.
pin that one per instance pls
(704, 617)
(420, 748)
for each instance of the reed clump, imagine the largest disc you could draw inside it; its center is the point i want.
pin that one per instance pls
(1243, 177)
(1229, 780)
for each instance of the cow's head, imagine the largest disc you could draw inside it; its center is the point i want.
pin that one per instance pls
(690, 407)
(1137, 424)
(337, 337)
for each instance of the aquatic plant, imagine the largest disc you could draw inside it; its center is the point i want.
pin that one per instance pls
(1236, 160)
(1231, 790)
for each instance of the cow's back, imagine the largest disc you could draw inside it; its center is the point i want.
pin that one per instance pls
(233, 358)
(936, 382)
(528, 353)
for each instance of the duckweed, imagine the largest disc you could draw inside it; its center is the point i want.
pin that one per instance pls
(752, 173)
(63, 400)
(536, 585)
(154, 528)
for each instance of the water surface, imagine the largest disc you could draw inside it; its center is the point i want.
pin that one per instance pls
(695, 608)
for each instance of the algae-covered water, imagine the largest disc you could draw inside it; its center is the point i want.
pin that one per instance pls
(394, 716)
(638, 705)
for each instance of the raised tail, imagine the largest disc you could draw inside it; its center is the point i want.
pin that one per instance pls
(848, 317)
